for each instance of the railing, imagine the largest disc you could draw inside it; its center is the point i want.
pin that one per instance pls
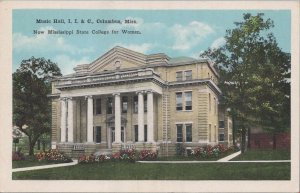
(127, 146)
(107, 77)
(78, 147)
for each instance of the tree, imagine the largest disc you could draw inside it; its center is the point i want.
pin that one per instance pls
(254, 75)
(31, 106)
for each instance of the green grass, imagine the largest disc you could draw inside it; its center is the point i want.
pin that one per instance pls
(264, 155)
(29, 162)
(147, 171)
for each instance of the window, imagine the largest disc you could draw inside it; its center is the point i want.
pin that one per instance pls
(188, 128)
(113, 134)
(109, 105)
(122, 134)
(188, 75)
(145, 103)
(135, 104)
(97, 106)
(179, 132)
(145, 133)
(188, 101)
(97, 133)
(179, 101)
(221, 124)
(136, 133)
(124, 104)
(221, 137)
(178, 76)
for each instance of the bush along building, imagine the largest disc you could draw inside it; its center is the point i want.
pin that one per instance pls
(125, 99)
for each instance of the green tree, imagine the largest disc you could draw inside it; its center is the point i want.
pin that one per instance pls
(31, 106)
(254, 75)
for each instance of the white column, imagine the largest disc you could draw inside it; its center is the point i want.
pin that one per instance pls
(150, 116)
(141, 117)
(117, 118)
(90, 119)
(70, 120)
(63, 122)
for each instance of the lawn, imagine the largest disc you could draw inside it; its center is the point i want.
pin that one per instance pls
(29, 163)
(161, 171)
(264, 155)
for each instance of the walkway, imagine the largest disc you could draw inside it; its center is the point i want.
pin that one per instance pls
(45, 166)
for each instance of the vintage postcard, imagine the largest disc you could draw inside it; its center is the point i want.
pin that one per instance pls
(138, 96)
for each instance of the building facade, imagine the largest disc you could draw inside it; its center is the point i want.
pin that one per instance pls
(126, 99)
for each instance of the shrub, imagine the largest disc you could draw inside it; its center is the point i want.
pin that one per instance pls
(17, 156)
(128, 155)
(179, 149)
(122, 155)
(86, 159)
(53, 155)
(209, 151)
(148, 155)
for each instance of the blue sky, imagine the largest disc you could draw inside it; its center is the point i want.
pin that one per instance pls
(174, 32)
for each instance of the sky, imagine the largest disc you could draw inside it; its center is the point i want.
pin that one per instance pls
(173, 32)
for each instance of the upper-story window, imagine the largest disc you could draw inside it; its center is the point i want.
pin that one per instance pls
(124, 104)
(109, 105)
(184, 75)
(188, 75)
(135, 104)
(145, 103)
(97, 106)
(221, 124)
(179, 101)
(188, 100)
(179, 76)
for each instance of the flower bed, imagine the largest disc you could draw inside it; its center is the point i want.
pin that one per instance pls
(128, 155)
(53, 155)
(18, 156)
(210, 151)
(148, 155)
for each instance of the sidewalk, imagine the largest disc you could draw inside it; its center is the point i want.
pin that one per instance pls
(45, 166)
(227, 158)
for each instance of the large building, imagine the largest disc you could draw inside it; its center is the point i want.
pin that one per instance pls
(125, 99)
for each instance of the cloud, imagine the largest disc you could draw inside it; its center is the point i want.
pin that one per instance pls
(46, 43)
(218, 43)
(67, 63)
(141, 48)
(189, 35)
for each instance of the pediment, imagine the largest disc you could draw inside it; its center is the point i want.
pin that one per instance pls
(118, 58)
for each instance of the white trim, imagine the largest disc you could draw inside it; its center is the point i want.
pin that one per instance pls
(184, 123)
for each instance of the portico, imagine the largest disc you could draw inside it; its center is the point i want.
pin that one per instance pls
(116, 123)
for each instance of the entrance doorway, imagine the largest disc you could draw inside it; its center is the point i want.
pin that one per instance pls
(111, 136)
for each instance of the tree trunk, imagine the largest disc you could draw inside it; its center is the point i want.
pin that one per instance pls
(233, 130)
(274, 141)
(43, 145)
(249, 139)
(39, 144)
(31, 148)
(243, 148)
